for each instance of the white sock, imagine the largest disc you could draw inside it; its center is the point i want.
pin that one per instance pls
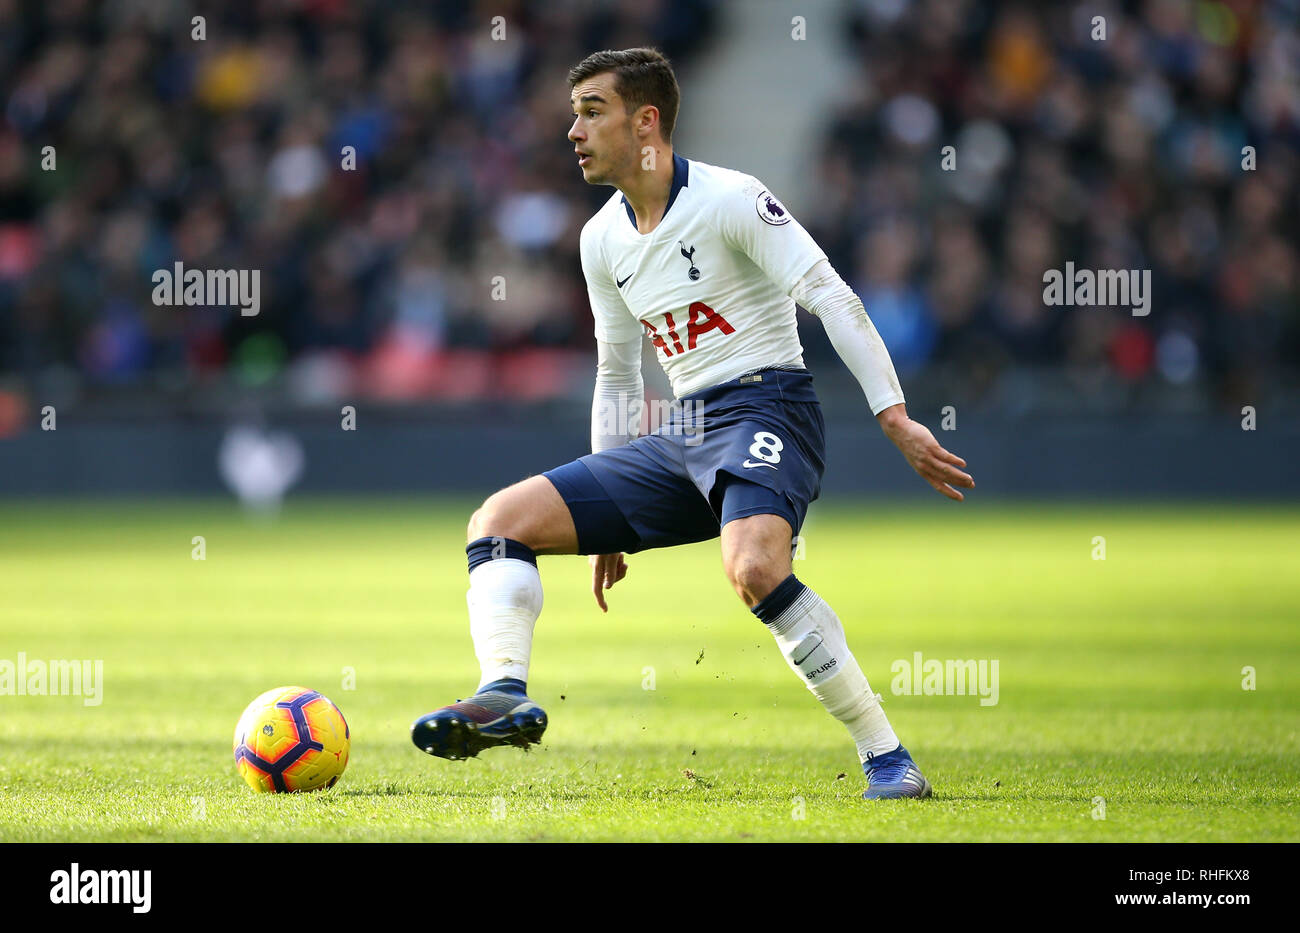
(505, 599)
(811, 637)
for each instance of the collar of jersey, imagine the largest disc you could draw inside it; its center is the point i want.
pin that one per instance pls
(681, 169)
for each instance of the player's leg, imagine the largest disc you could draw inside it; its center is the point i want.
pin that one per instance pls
(757, 534)
(531, 512)
(641, 499)
(505, 536)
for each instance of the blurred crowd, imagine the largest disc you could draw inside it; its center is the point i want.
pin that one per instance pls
(1118, 143)
(391, 167)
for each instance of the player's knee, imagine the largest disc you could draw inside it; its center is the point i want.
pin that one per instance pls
(476, 521)
(754, 577)
(494, 517)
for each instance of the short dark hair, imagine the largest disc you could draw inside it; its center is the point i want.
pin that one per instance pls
(641, 76)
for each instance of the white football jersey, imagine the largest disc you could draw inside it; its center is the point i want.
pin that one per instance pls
(710, 285)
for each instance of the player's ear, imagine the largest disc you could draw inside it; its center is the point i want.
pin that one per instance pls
(647, 118)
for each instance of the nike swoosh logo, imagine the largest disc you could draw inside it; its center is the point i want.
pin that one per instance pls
(629, 275)
(809, 654)
(750, 464)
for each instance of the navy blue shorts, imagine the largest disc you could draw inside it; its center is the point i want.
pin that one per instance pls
(752, 446)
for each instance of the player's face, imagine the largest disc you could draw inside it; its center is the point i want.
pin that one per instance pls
(601, 132)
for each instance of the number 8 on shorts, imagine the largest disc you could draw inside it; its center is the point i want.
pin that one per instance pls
(766, 447)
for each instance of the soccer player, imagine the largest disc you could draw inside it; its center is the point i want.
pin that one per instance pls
(708, 264)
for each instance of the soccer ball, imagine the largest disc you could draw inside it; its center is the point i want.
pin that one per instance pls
(291, 739)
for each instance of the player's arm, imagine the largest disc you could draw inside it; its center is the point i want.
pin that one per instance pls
(616, 403)
(619, 392)
(825, 294)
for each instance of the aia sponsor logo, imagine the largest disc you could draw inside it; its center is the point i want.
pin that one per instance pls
(701, 319)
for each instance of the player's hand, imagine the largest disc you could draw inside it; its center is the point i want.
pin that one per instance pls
(937, 466)
(606, 570)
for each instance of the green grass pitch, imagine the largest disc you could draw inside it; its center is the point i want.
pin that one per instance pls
(1120, 680)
